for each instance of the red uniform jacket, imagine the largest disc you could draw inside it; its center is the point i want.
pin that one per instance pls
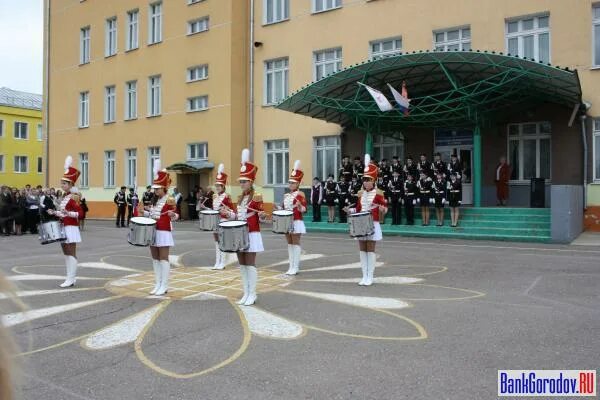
(247, 210)
(222, 199)
(72, 210)
(371, 198)
(291, 202)
(159, 213)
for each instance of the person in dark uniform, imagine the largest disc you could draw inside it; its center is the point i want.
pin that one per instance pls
(439, 166)
(358, 169)
(396, 165)
(147, 197)
(425, 185)
(191, 201)
(121, 201)
(343, 195)
(455, 167)
(454, 198)
(316, 198)
(346, 170)
(330, 198)
(396, 190)
(6, 205)
(410, 199)
(425, 166)
(382, 185)
(410, 168)
(440, 187)
(132, 202)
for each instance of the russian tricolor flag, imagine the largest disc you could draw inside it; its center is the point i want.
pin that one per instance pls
(401, 98)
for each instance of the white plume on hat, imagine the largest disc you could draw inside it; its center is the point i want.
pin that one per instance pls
(367, 161)
(245, 156)
(296, 165)
(68, 163)
(221, 168)
(156, 168)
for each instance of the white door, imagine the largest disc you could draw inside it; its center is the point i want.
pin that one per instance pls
(465, 155)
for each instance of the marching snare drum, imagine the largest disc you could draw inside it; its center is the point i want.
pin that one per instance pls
(141, 231)
(283, 221)
(361, 224)
(233, 236)
(52, 231)
(208, 220)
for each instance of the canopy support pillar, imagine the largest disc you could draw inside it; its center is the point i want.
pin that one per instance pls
(476, 172)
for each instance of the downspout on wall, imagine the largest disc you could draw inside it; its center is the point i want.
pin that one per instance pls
(251, 91)
(46, 105)
(583, 118)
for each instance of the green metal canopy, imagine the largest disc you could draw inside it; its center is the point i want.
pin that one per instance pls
(190, 166)
(457, 88)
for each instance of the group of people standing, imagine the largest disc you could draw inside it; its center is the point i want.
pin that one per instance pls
(423, 184)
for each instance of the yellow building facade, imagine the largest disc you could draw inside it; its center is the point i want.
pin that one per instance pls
(21, 139)
(258, 52)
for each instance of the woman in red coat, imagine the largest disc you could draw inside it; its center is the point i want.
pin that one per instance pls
(69, 213)
(501, 179)
(369, 199)
(163, 210)
(295, 201)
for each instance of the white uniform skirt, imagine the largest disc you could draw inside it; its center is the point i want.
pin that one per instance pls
(163, 239)
(256, 243)
(376, 234)
(72, 233)
(299, 227)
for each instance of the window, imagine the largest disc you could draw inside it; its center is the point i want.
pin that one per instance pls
(131, 100)
(387, 147)
(452, 39)
(109, 104)
(197, 73)
(1, 162)
(197, 26)
(39, 165)
(84, 109)
(529, 150)
(276, 80)
(197, 151)
(278, 163)
(529, 37)
(327, 62)
(154, 96)
(109, 169)
(84, 167)
(21, 164)
(21, 130)
(596, 35)
(276, 11)
(1, 127)
(110, 41)
(327, 156)
(386, 48)
(84, 45)
(155, 23)
(153, 154)
(40, 133)
(130, 167)
(324, 5)
(198, 103)
(596, 150)
(133, 30)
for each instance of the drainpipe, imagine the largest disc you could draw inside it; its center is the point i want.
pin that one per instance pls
(582, 118)
(46, 112)
(251, 94)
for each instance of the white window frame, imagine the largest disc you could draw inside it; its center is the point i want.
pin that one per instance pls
(85, 45)
(1, 162)
(462, 40)
(110, 104)
(84, 167)
(109, 168)
(319, 6)
(200, 147)
(40, 133)
(535, 32)
(155, 22)
(375, 55)
(110, 37)
(130, 167)
(337, 61)
(131, 108)
(18, 130)
(279, 77)
(198, 25)
(154, 96)
(337, 148)
(132, 40)
(520, 137)
(281, 11)
(84, 110)
(17, 163)
(197, 103)
(153, 154)
(197, 73)
(282, 178)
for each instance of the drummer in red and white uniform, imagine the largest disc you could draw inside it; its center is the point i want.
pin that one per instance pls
(295, 201)
(221, 202)
(163, 211)
(249, 207)
(369, 199)
(70, 213)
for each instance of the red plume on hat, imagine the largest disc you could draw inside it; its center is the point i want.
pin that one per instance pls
(248, 170)
(221, 175)
(296, 175)
(370, 168)
(71, 174)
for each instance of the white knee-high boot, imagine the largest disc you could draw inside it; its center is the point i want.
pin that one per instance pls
(363, 267)
(297, 253)
(244, 279)
(252, 279)
(165, 270)
(219, 258)
(290, 270)
(370, 268)
(71, 267)
(156, 268)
